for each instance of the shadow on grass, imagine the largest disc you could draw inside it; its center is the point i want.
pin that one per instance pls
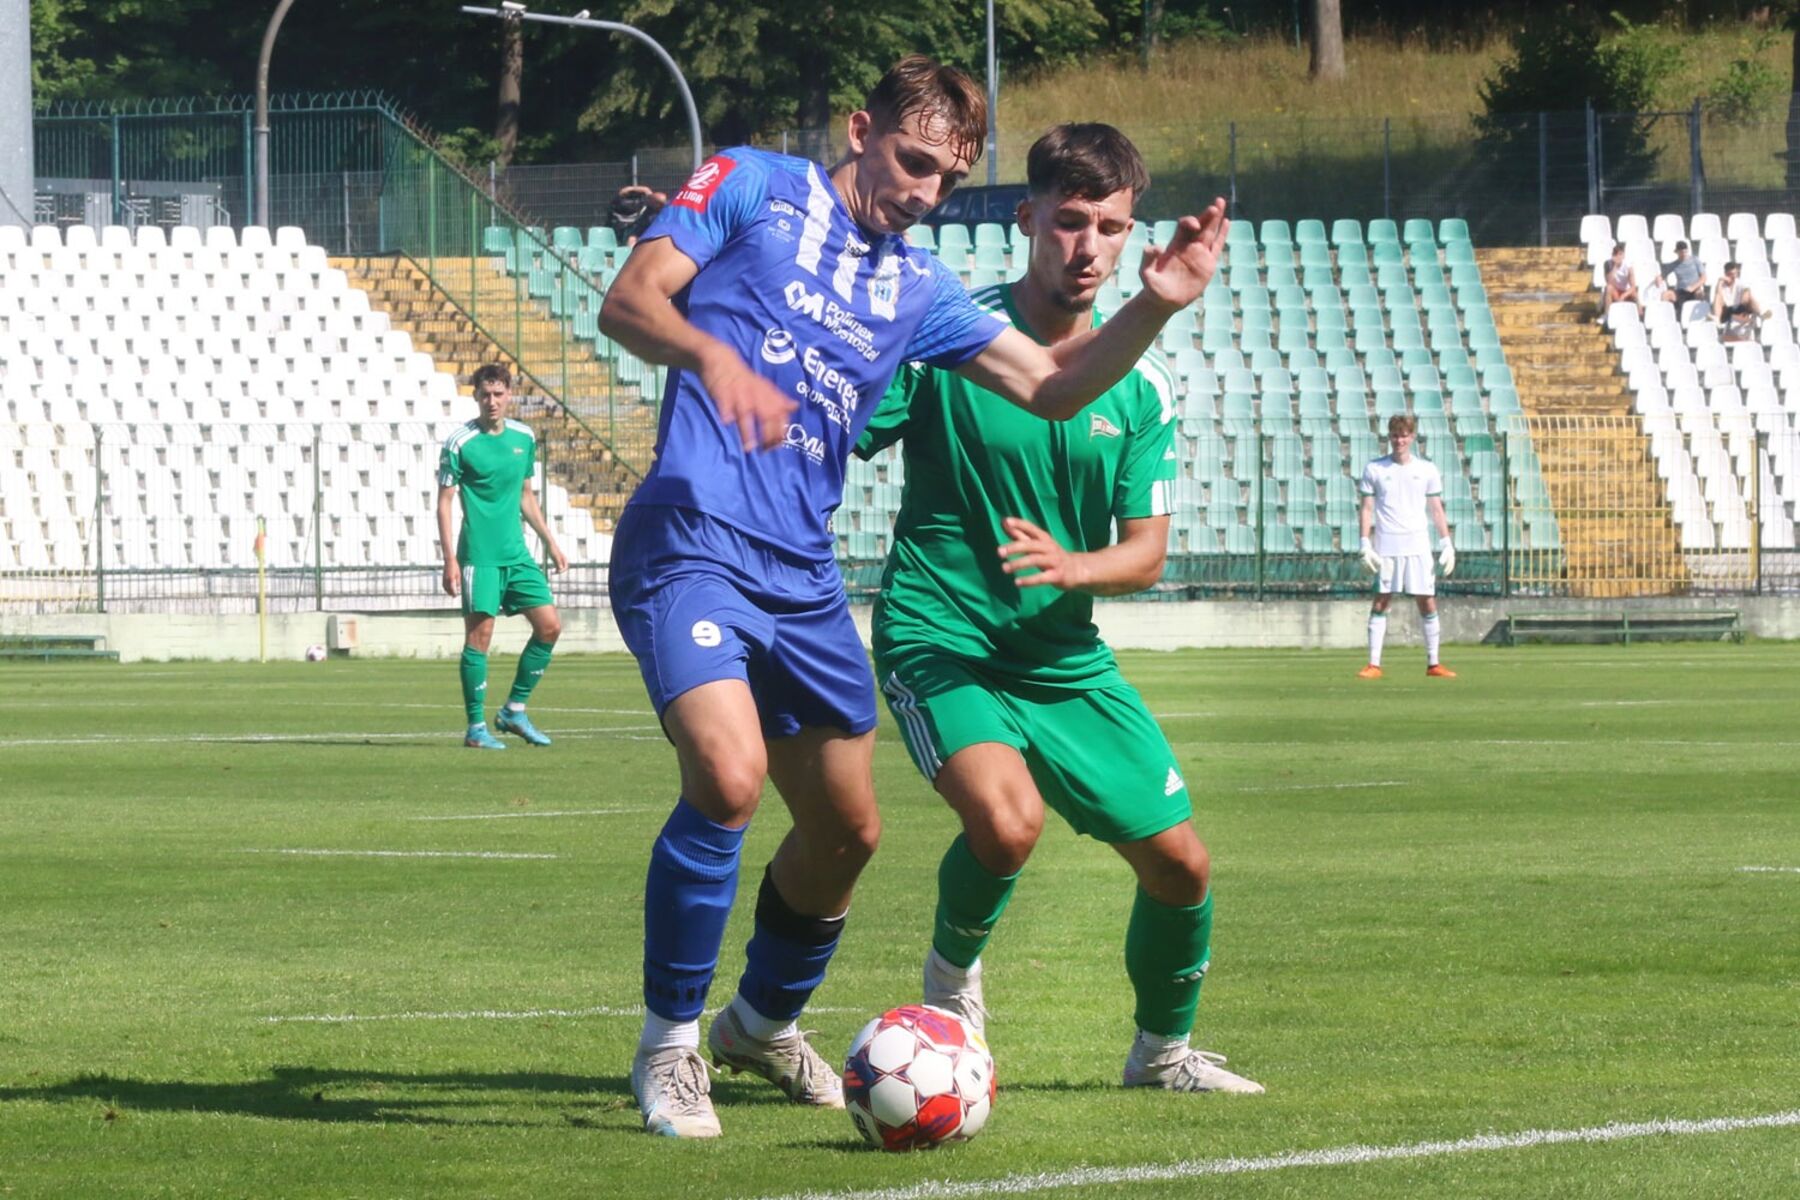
(334, 1096)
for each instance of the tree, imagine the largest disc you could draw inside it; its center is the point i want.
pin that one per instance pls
(1327, 42)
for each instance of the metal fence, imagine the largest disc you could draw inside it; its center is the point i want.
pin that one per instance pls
(166, 517)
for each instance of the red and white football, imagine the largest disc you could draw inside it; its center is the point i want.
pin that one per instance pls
(918, 1077)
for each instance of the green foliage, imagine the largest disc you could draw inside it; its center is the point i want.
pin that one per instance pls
(1750, 88)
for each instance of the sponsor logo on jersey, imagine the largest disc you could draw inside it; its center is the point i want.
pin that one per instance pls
(834, 317)
(778, 347)
(1099, 426)
(1173, 784)
(705, 633)
(829, 387)
(698, 191)
(782, 208)
(801, 441)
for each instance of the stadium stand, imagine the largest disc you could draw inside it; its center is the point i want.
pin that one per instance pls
(1705, 404)
(1309, 339)
(166, 391)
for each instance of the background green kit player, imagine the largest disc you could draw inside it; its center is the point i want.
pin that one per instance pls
(985, 646)
(489, 462)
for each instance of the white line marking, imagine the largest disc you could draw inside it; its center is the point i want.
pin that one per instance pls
(1170, 716)
(599, 1010)
(1338, 1156)
(1775, 870)
(1639, 703)
(1320, 787)
(109, 739)
(402, 853)
(507, 816)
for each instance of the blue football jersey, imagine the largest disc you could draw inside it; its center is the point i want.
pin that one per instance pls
(812, 303)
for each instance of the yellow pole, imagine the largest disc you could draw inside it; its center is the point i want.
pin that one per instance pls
(262, 593)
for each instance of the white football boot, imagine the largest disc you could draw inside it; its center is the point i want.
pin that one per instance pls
(1188, 1070)
(790, 1062)
(674, 1093)
(956, 991)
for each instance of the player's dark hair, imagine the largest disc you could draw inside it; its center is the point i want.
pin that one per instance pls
(490, 373)
(1401, 423)
(1734, 265)
(1680, 246)
(917, 84)
(1087, 162)
(1618, 247)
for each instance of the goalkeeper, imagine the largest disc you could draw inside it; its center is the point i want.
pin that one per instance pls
(489, 461)
(1401, 493)
(984, 643)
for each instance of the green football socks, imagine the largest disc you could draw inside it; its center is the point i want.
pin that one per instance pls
(474, 683)
(533, 661)
(970, 901)
(1166, 952)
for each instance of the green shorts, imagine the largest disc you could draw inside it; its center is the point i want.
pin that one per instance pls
(503, 591)
(1097, 756)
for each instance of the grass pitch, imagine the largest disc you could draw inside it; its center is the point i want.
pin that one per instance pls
(1512, 903)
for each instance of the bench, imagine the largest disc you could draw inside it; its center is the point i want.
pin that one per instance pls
(1628, 626)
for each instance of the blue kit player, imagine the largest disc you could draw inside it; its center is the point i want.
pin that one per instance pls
(784, 297)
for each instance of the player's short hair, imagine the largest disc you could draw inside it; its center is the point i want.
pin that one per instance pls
(1087, 161)
(490, 373)
(1734, 265)
(917, 84)
(1618, 247)
(1680, 246)
(1402, 423)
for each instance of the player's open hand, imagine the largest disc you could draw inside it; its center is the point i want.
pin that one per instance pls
(1178, 272)
(745, 399)
(1032, 549)
(452, 580)
(559, 562)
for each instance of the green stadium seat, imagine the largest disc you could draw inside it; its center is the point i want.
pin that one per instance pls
(496, 239)
(1274, 232)
(1279, 255)
(1381, 230)
(1351, 273)
(1384, 253)
(1436, 296)
(1463, 381)
(922, 236)
(1019, 243)
(1253, 296)
(990, 256)
(1330, 318)
(1452, 229)
(1408, 337)
(1317, 539)
(602, 237)
(1354, 254)
(1257, 320)
(1503, 401)
(1389, 402)
(591, 259)
(1280, 274)
(1315, 254)
(1314, 401)
(1470, 425)
(1346, 231)
(952, 234)
(1484, 339)
(1163, 232)
(1429, 274)
(1290, 296)
(1458, 254)
(1428, 402)
(1418, 229)
(1329, 338)
(1310, 232)
(991, 233)
(1414, 357)
(955, 255)
(566, 238)
(1362, 296)
(1422, 254)
(984, 277)
(1265, 359)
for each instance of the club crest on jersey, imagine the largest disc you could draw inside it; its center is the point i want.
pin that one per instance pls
(884, 288)
(1099, 426)
(698, 191)
(778, 347)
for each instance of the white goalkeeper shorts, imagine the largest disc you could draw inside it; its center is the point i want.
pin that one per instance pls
(1410, 574)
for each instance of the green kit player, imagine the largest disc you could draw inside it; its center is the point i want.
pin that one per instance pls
(489, 462)
(985, 647)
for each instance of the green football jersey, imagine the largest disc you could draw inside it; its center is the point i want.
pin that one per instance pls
(489, 470)
(973, 459)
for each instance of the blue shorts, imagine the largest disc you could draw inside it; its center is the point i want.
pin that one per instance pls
(698, 601)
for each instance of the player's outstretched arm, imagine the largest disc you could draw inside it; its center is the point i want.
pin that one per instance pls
(447, 539)
(533, 514)
(1056, 383)
(639, 315)
(1129, 565)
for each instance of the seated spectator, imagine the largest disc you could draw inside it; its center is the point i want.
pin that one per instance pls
(1735, 307)
(632, 211)
(1686, 277)
(1618, 283)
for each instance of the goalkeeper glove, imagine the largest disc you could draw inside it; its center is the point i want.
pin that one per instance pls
(1370, 559)
(1447, 558)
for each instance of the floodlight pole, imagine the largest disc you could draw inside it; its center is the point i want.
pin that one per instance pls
(687, 97)
(993, 98)
(262, 112)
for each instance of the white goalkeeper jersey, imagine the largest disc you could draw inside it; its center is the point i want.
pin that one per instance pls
(1402, 525)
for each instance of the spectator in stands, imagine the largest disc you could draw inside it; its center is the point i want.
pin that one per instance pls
(1686, 277)
(1619, 283)
(1735, 307)
(632, 211)
(490, 462)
